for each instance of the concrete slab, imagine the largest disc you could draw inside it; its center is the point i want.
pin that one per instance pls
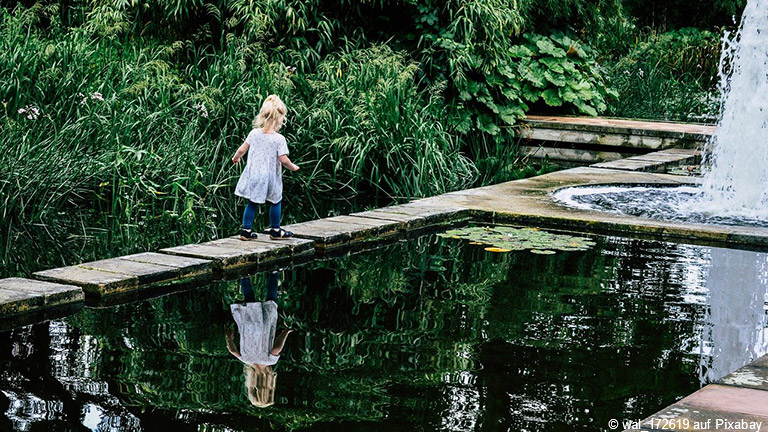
(679, 417)
(750, 376)
(410, 221)
(16, 302)
(298, 246)
(192, 265)
(325, 234)
(653, 162)
(115, 275)
(690, 131)
(339, 231)
(92, 281)
(146, 273)
(230, 253)
(629, 165)
(580, 156)
(367, 228)
(53, 294)
(729, 399)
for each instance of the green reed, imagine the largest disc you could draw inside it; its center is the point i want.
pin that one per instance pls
(130, 145)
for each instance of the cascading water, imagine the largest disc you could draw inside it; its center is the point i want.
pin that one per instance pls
(736, 179)
(734, 189)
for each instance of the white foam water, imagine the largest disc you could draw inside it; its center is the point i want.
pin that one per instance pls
(736, 174)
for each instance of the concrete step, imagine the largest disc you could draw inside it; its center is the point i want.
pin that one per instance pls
(654, 162)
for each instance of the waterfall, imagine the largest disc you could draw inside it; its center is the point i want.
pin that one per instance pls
(736, 177)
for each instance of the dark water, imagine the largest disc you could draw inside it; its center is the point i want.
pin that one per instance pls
(425, 335)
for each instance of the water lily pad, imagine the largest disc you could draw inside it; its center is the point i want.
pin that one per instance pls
(505, 239)
(496, 249)
(543, 252)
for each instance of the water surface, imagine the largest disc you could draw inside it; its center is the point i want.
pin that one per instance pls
(426, 335)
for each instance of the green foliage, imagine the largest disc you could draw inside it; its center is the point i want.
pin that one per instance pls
(472, 45)
(130, 110)
(669, 76)
(561, 72)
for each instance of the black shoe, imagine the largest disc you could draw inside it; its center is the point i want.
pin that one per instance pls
(279, 233)
(247, 235)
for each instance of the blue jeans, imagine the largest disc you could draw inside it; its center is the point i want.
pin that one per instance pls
(246, 287)
(275, 209)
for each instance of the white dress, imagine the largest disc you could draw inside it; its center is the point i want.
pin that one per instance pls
(257, 324)
(262, 178)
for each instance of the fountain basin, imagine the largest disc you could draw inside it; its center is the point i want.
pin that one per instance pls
(683, 203)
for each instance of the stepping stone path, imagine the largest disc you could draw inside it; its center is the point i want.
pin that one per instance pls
(126, 273)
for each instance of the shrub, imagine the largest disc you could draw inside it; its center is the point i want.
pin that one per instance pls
(669, 76)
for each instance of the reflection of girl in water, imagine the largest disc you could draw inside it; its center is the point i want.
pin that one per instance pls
(260, 344)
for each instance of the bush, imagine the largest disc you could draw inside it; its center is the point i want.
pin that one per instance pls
(669, 76)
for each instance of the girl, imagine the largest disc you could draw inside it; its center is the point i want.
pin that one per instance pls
(262, 179)
(260, 343)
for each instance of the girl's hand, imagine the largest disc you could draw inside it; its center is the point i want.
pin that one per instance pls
(295, 167)
(235, 159)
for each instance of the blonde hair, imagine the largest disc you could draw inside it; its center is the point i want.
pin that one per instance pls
(260, 385)
(272, 114)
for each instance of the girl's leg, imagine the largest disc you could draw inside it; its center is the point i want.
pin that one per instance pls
(272, 284)
(249, 214)
(274, 214)
(246, 287)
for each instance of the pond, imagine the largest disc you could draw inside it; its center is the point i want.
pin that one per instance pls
(426, 334)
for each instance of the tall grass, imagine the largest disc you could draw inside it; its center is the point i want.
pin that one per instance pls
(130, 147)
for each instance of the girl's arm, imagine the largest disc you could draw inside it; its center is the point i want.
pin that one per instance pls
(240, 152)
(230, 337)
(287, 163)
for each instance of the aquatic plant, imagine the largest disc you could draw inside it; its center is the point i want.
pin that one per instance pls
(507, 239)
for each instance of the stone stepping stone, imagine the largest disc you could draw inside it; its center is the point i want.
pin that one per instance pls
(18, 295)
(341, 230)
(117, 275)
(231, 252)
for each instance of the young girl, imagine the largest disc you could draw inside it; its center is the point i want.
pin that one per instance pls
(262, 179)
(260, 342)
